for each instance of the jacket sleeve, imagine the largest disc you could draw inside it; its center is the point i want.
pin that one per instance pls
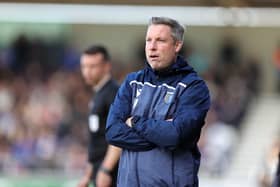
(117, 132)
(185, 126)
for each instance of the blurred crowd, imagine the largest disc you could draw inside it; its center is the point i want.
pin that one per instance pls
(234, 81)
(43, 108)
(44, 105)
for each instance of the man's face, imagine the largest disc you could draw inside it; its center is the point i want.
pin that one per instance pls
(161, 48)
(93, 68)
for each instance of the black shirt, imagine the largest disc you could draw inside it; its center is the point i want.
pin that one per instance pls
(99, 110)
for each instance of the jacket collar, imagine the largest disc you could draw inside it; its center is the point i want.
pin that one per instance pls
(178, 67)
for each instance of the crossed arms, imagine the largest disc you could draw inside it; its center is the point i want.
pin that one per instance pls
(148, 133)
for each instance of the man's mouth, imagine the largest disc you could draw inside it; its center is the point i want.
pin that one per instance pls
(153, 57)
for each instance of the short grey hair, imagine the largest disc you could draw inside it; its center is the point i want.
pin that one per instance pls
(177, 30)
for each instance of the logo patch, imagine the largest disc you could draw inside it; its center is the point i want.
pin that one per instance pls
(168, 97)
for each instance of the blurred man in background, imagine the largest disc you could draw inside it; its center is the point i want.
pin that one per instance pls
(158, 113)
(103, 159)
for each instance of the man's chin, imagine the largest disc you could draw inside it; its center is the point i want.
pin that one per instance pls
(159, 68)
(89, 82)
(156, 67)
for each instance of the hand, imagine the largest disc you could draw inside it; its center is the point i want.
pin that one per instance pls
(103, 179)
(128, 122)
(84, 182)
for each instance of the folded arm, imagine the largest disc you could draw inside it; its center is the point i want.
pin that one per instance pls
(185, 126)
(118, 133)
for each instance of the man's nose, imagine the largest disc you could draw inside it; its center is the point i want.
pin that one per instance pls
(153, 45)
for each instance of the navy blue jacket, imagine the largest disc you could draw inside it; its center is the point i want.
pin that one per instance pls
(168, 110)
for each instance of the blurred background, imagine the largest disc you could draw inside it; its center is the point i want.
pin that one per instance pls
(234, 45)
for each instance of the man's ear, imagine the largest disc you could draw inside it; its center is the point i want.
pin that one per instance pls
(178, 46)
